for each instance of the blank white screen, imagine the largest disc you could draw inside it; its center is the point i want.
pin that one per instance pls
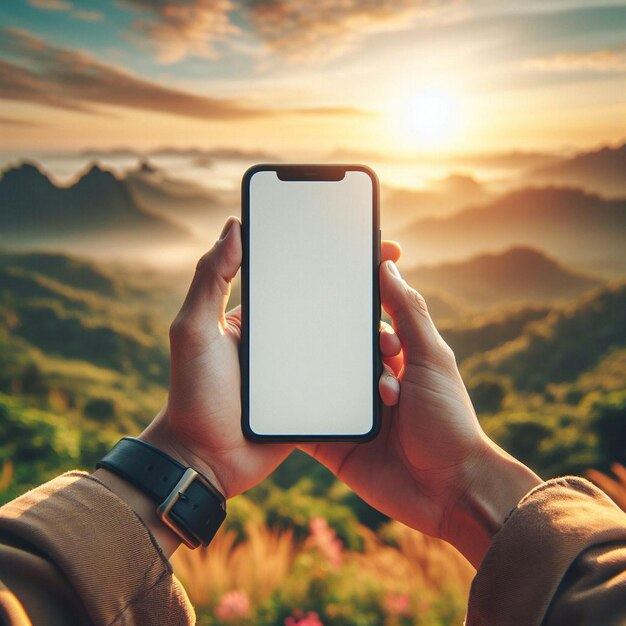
(310, 306)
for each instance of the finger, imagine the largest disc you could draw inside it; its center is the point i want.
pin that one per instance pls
(210, 287)
(233, 321)
(389, 343)
(395, 363)
(235, 312)
(409, 313)
(389, 388)
(390, 250)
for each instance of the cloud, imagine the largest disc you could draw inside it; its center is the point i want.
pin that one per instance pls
(51, 5)
(306, 30)
(33, 70)
(300, 30)
(607, 60)
(177, 29)
(11, 121)
(88, 16)
(62, 5)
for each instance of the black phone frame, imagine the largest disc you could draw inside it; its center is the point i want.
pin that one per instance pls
(306, 172)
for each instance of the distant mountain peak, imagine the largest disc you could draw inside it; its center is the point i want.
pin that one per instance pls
(96, 172)
(603, 171)
(26, 172)
(28, 166)
(520, 273)
(507, 258)
(146, 167)
(34, 211)
(554, 191)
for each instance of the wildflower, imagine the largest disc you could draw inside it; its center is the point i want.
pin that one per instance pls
(299, 619)
(398, 604)
(233, 606)
(323, 538)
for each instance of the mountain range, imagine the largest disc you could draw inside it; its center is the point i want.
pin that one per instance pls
(579, 228)
(400, 207)
(602, 171)
(197, 208)
(98, 209)
(517, 275)
(235, 154)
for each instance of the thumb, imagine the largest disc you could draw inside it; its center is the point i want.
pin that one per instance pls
(210, 287)
(409, 313)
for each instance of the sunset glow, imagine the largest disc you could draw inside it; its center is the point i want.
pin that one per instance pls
(310, 77)
(429, 118)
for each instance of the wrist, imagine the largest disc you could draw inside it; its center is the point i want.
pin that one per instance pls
(493, 484)
(161, 436)
(175, 498)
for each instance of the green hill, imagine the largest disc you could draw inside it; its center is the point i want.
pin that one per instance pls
(77, 340)
(69, 271)
(485, 332)
(559, 348)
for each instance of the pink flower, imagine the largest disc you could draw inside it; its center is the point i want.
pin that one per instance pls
(233, 606)
(299, 619)
(398, 604)
(324, 538)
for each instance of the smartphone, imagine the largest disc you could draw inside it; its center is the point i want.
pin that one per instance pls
(310, 303)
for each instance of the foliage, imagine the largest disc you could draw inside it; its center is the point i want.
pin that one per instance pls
(100, 409)
(269, 577)
(487, 393)
(608, 419)
(294, 507)
(563, 346)
(81, 363)
(37, 444)
(489, 330)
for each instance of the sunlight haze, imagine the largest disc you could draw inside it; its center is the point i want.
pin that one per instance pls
(524, 76)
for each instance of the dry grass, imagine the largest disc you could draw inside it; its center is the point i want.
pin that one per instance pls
(417, 566)
(256, 565)
(6, 475)
(418, 562)
(615, 488)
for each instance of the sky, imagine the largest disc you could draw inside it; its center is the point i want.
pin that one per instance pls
(389, 76)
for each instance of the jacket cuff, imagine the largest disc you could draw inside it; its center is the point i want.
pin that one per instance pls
(106, 552)
(550, 527)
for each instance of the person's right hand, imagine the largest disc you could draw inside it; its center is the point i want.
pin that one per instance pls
(432, 466)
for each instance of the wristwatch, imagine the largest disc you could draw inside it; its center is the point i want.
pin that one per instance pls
(186, 500)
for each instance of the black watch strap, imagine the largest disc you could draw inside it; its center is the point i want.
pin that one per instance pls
(187, 501)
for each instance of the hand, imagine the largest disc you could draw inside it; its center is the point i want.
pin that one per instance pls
(431, 467)
(201, 423)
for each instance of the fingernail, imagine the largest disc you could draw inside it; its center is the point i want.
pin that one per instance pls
(395, 383)
(229, 223)
(393, 269)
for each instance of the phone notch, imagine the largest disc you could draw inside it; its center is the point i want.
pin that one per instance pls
(311, 173)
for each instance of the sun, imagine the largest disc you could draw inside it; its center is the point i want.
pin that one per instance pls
(427, 118)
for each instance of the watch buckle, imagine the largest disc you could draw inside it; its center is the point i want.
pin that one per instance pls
(164, 509)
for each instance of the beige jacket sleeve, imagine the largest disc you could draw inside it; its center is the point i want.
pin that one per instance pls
(72, 552)
(560, 559)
